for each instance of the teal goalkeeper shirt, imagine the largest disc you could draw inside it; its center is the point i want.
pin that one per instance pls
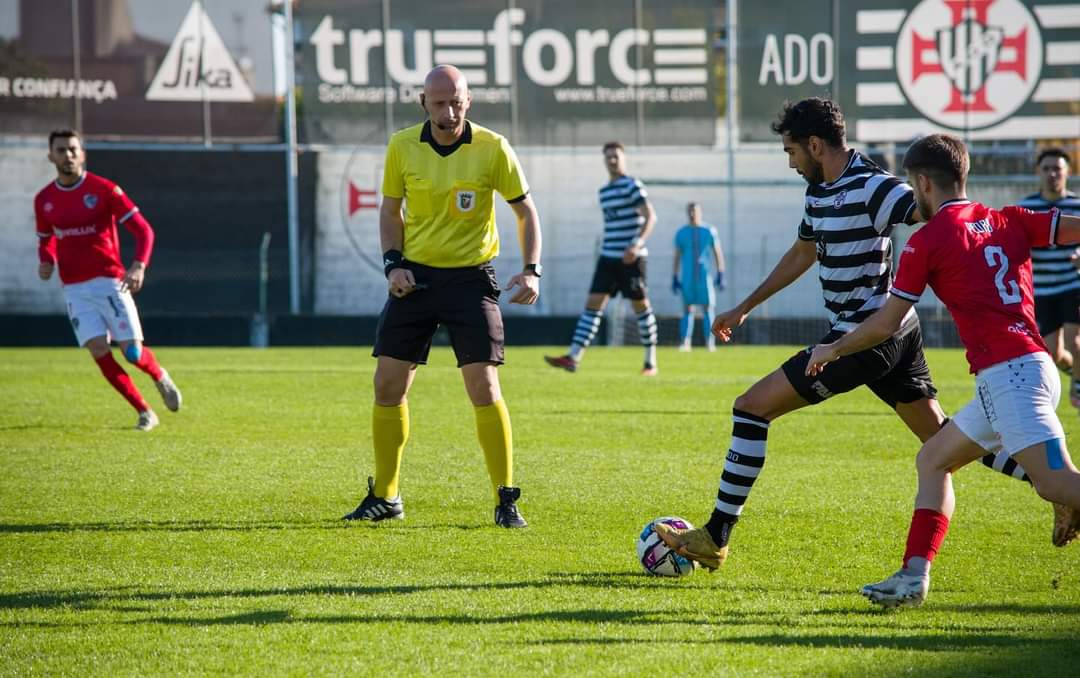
(695, 244)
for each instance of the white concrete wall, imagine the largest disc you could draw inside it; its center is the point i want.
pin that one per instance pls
(348, 277)
(564, 184)
(25, 171)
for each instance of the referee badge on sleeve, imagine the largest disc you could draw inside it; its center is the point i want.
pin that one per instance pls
(465, 201)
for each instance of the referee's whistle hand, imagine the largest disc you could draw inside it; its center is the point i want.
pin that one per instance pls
(530, 288)
(401, 282)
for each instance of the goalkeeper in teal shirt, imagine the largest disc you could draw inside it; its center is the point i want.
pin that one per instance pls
(699, 263)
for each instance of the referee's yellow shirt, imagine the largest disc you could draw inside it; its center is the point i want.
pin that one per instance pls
(449, 210)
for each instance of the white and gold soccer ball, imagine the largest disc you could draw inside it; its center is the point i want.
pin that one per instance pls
(655, 556)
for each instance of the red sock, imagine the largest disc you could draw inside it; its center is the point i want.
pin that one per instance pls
(148, 363)
(927, 531)
(120, 380)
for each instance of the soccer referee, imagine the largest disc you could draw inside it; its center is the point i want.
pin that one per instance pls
(437, 260)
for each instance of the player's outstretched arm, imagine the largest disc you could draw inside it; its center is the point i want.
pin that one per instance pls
(871, 332)
(1068, 230)
(531, 243)
(796, 261)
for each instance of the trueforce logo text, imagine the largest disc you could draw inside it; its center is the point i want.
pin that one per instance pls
(548, 57)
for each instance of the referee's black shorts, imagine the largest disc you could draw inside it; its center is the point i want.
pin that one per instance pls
(895, 370)
(1054, 310)
(612, 276)
(465, 300)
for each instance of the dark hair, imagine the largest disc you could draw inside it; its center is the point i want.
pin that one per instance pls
(813, 117)
(613, 144)
(63, 134)
(692, 204)
(941, 157)
(1052, 152)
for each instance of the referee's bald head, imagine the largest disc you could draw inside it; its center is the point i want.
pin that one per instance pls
(445, 76)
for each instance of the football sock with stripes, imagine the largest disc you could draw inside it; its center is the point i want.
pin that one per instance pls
(1003, 463)
(927, 532)
(686, 327)
(587, 325)
(120, 380)
(742, 466)
(497, 440)
(389, 432)
(646, 323)
(148, 363)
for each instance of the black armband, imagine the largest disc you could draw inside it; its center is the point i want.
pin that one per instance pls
(392, 259)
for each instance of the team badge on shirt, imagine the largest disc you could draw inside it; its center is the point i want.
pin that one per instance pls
(840, 198)
(90, 200)
(48, 207)
(465, 200)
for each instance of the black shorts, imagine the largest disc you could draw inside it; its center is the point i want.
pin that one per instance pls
(612, 276)
(1054, 310)
(895, 370)
(465, 300)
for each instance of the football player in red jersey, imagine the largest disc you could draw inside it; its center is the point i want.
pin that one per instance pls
(76, 219)
(978, 262)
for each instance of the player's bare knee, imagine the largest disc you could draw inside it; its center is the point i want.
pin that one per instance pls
(924, 461)
(751, 403)
(389, 388)
(98, 347)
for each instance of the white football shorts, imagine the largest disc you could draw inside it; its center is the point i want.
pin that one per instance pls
(1015, 405)
(98, 307)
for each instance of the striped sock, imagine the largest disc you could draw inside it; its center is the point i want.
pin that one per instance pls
(585, 332)
(646, 323)
(1003, 463)
(744, 462)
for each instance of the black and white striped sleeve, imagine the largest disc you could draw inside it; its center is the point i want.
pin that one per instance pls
(891, 201)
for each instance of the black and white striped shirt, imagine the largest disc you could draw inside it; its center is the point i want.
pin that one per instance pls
(620, 201)
(1051, 269)
(851, 219)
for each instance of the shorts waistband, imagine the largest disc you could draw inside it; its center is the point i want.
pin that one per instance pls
(450, 269)
(1034, 356)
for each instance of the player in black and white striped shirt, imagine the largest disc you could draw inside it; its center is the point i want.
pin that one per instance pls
(850, 208)
(1053, 269)
(628, 220)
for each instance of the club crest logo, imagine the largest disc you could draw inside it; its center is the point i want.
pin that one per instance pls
(48, 207)
(840, 198)
(90, 200)
(466, 200)
(969, 63)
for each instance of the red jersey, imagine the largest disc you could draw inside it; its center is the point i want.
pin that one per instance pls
(76, 227)
(978, 262)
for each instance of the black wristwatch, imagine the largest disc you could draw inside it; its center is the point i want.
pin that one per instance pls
(535, 269)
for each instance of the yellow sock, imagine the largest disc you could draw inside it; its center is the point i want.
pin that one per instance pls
(389, 431)
(497, 440)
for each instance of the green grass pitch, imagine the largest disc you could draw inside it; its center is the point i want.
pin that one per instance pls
(214, 544)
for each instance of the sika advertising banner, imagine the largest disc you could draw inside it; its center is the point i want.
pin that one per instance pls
(986, 69)
(138, 69)
(551, 72)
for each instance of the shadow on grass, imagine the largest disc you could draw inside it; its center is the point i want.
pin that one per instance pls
(964, 642)
(589, 413)
(231, 526)
(171, 526)
(106, 599)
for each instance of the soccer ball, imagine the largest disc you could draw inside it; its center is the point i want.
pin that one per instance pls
(654, 555)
